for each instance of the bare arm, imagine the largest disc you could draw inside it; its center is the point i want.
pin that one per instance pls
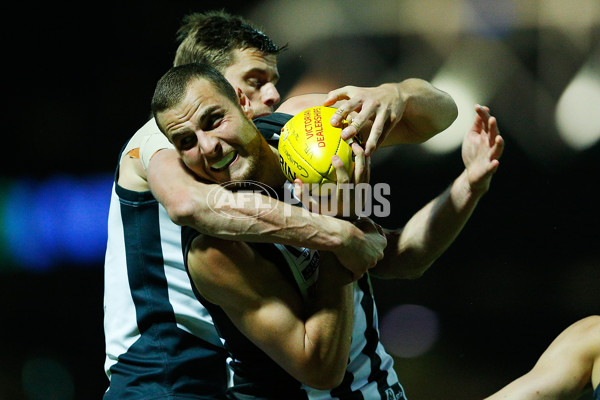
(565, 370)
(258, 219)
(428, 234)
(411, 111)
(312, 341)
(412, 250)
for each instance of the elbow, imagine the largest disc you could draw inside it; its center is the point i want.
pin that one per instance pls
(323, 371)
(324, 378)
(423, 129)
(181, 210)
(451, 113)
(414, 269)
(446, 110)
(422, 135)
(325, 384)
(434, 113)
(446, 114)
(415, 273)
(441, 123)
(400, 269)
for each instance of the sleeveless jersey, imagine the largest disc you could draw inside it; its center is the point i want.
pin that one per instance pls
(369, 374)
(597, 393)
(160, 341)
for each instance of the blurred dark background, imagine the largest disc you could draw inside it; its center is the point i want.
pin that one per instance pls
(77, 84)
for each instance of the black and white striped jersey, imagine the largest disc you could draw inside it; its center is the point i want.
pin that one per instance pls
(160, 341)
(370, 373)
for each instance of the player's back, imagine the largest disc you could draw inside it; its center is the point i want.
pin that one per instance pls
(159, 338)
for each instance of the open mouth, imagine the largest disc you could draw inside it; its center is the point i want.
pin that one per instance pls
(224, 162)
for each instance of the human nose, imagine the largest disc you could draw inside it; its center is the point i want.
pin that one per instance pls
(270, 95)
(208, 144)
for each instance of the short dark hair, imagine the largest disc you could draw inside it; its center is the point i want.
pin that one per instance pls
(211, 38)
(171, 87)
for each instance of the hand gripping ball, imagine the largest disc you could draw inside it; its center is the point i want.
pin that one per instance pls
(307, 143)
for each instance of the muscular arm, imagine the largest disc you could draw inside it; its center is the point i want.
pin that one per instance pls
(565, 370)
(412, 250)
(310, 341)
(187, 202)
(411, 111)
(428, 111)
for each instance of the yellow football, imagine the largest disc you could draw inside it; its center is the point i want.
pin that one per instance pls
(307, 143)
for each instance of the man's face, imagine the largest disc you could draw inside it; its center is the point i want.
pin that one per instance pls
(213, 136)
(256, 75)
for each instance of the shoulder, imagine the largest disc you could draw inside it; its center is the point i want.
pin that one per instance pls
(209, 255)
(581, 339)
(299, 103)
(234, 275)
(132, 175)
(213, 265)
(141, 135)
(586, 327)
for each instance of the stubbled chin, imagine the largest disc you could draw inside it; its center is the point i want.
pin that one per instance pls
(243, 169)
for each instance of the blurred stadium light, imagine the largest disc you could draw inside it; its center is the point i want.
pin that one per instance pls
(534, 62)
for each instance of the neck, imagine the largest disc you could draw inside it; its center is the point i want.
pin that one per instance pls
(273, 175)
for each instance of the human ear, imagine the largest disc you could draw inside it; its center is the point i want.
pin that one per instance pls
(245, 103)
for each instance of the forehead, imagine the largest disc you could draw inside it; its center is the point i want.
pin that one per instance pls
(252, 59)
(200, 95)
(201, 90)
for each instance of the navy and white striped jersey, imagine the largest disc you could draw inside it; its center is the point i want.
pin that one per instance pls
(370, 373)
(160, 341)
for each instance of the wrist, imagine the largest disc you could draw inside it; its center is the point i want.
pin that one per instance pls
(343, 234)
(469, 191)
(403, 89)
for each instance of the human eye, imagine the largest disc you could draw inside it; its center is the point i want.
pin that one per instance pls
(253, 82)
(213, 121)
(186, 142)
